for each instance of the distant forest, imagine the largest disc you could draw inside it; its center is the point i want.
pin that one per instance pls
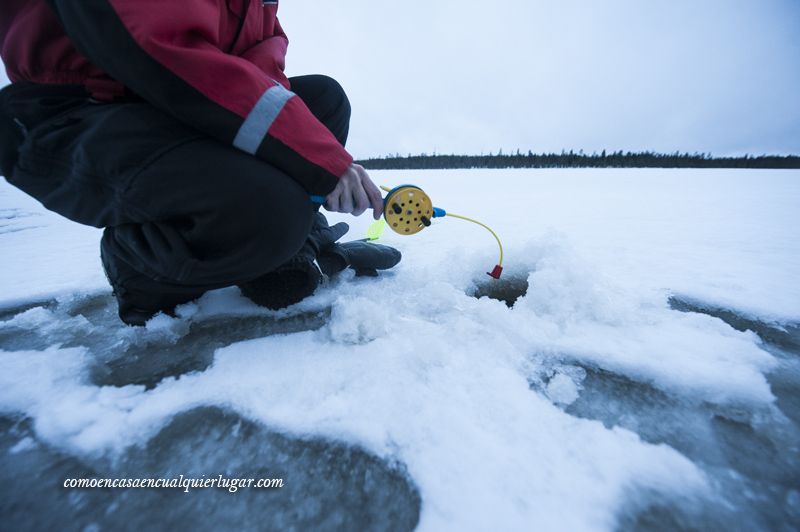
(571, 159)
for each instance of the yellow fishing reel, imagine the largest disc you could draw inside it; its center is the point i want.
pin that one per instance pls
(407, 210)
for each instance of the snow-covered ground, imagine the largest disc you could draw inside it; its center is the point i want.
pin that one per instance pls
(647, 375)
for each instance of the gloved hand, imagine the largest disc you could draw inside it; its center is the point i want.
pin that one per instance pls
(323, 236)
(365, 257)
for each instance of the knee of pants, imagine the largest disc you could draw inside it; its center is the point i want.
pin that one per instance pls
(344, 113)
(241, 233)
(337, 119)
(271, 232)
(339, 95)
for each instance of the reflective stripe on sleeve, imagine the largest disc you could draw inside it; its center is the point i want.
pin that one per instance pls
(260, 119)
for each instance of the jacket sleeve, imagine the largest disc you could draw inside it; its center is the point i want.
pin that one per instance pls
(168, 53)
(269, 55)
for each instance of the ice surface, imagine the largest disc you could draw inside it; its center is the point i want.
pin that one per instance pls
(573, 394)
(333, 486)
(44, 255)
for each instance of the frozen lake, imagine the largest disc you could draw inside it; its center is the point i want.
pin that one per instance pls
(637, 367)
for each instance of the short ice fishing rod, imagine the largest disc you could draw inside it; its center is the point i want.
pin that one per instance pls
(407, 210)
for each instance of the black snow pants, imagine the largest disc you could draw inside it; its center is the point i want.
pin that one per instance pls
(177, 206)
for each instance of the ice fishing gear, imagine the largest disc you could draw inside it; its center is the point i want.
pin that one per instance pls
(408, 210)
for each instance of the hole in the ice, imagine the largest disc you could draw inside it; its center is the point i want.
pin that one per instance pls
(508, 289)
(326, 485)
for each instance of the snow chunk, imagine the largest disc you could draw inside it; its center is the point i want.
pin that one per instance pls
(564, 387)
(358, 320)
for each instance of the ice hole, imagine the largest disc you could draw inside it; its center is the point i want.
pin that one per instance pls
(506, 289)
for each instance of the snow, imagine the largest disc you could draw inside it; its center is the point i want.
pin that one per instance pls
(480, 402)
(45, 255)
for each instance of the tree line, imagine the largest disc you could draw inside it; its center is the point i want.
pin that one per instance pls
(572, 159)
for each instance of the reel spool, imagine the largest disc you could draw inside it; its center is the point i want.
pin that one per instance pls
(408, 210)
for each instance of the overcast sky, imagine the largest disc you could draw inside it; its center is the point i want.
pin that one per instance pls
(719, 76)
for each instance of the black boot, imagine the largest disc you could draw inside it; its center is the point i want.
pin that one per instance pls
(299, 277)
(286, 285)
(139, 298)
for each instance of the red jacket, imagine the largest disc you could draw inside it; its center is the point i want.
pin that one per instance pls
(214, 64)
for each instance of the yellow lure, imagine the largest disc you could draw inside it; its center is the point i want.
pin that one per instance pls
(375, 230)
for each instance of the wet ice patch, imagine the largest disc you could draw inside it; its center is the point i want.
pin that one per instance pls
(751, 455)
(166, 347)
(41, 327)
(785, 335)
(326, 485)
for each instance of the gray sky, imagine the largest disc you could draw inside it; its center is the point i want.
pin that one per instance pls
(719, 76)
(465, 77)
